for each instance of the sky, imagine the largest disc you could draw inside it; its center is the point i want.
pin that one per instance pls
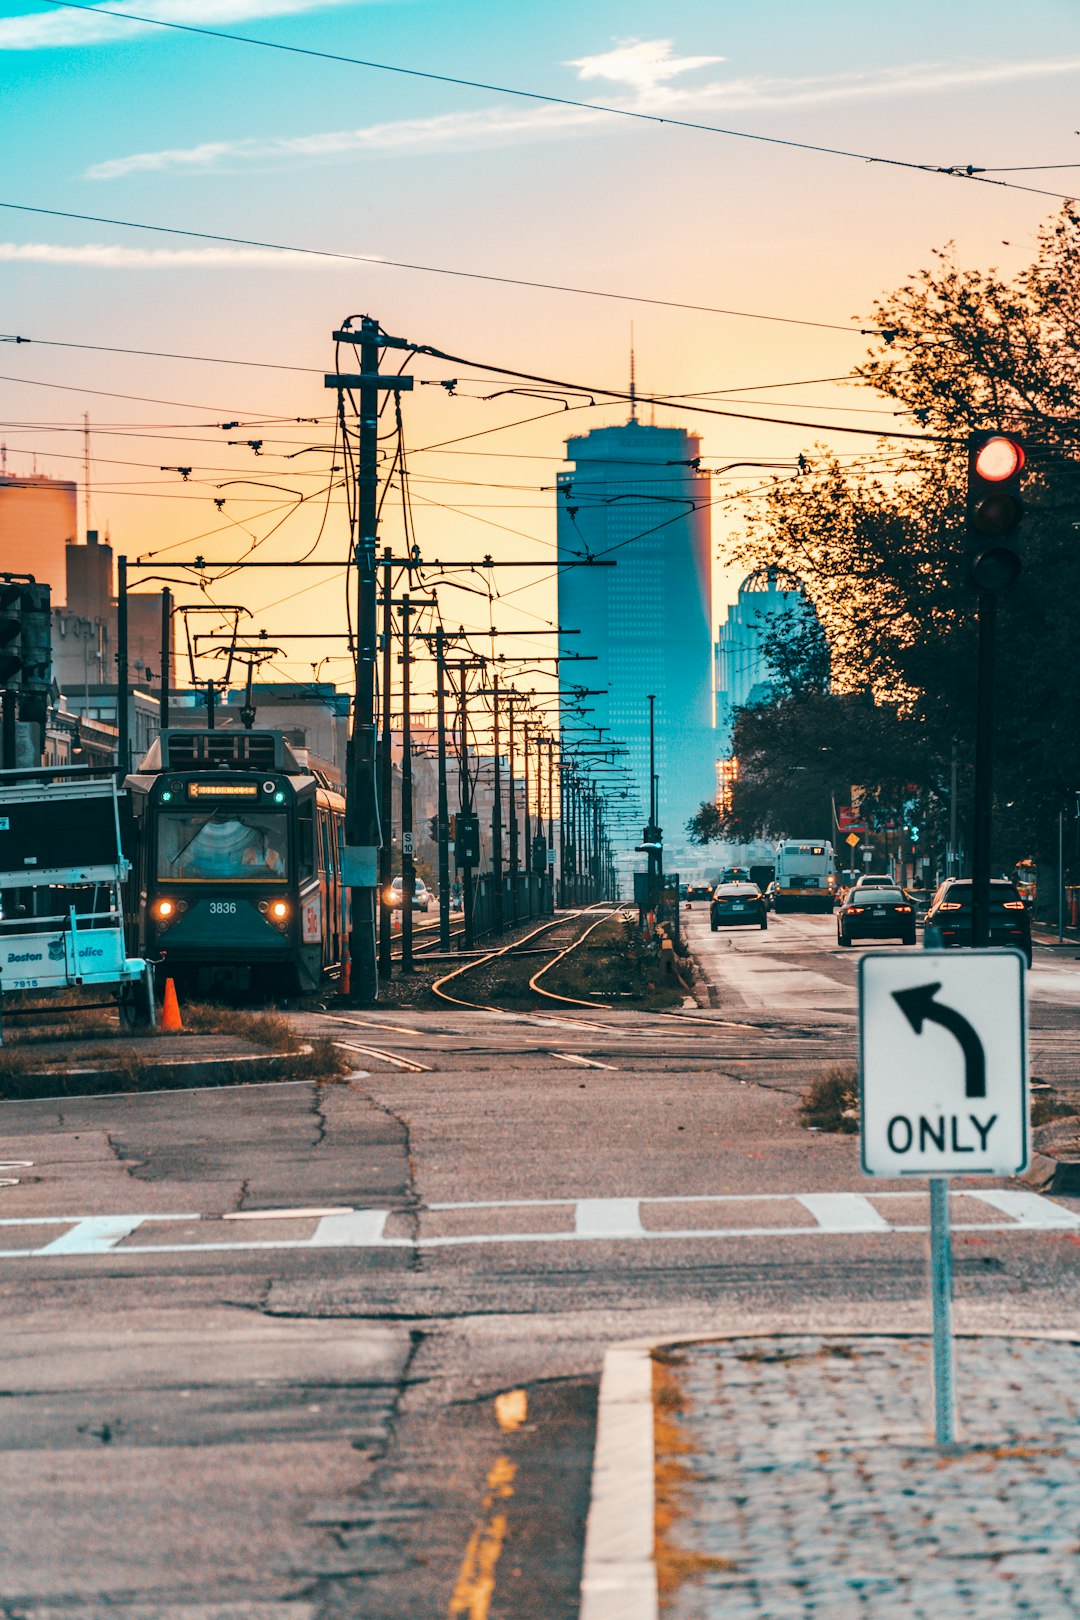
(118, 119)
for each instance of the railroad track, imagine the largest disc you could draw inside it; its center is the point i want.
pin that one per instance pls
(511, 973)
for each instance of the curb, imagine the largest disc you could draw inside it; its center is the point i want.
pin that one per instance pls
(618, 1578)
(1046, 1174)
(174, 1075)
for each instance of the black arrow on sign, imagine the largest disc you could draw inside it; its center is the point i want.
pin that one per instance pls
(919, 1007)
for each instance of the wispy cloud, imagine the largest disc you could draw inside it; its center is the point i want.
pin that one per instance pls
(648, 68)
(40, 29)
(641, 63)
(105, 256)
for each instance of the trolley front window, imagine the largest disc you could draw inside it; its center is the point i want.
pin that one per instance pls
(222, 846)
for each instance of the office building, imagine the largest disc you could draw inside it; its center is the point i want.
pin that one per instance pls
(634, 495)
(771, 609)
(38, 516)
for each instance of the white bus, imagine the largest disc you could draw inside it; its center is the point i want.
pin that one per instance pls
(805, 875)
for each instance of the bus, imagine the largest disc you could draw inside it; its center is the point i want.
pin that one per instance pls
(805, 875)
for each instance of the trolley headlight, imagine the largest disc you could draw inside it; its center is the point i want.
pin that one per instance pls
(164, 910)
(279, 910)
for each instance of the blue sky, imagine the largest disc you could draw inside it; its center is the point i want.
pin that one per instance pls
(138, 123)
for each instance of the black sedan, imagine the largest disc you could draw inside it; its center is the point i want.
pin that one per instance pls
(872, 913)
(950, 914)
(737, 903)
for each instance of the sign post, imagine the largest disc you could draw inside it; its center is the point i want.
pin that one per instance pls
(943, 1091)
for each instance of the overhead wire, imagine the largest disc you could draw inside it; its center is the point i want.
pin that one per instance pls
(952, 170)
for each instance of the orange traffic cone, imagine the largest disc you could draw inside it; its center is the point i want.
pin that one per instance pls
(170, 1010)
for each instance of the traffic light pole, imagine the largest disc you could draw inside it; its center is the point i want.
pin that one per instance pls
(982, 820)
(466, 809)
(408, 868)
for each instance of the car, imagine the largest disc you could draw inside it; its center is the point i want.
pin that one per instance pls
(423, 899)
(735, 874)
(871, 912)
(737, 903)
(1010, 921)
(696, 891)
(875, 880)
(770, 895)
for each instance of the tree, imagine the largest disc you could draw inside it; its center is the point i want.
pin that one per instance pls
(880, 542)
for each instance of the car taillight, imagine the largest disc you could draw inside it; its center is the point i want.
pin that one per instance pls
(903, 908)
(950, 905)
(1014, 905)
(855, 911)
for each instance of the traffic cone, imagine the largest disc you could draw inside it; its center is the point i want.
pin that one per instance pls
(170, 1010)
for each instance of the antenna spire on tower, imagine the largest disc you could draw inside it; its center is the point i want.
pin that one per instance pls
(633, 378)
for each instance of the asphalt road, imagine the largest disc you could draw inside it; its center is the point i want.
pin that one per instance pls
(227, 1395)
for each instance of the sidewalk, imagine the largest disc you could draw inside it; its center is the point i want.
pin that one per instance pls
(796, 1477)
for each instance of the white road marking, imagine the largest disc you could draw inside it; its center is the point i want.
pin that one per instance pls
(843, 1212)
(287, 1214)
(396, 1029)
(587, 1220)
(1029, 1209)
(608, 1218)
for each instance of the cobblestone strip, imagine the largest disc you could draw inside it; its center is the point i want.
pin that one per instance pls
(812, 1487)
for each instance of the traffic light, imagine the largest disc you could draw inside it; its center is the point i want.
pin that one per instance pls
(433, 828)
(994, 507)
(35, 680)
(10, 633)
(467, 839)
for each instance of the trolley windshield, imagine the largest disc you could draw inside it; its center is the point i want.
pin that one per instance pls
(222, 846)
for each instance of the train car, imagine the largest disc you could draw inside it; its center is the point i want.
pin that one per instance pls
(237, 883)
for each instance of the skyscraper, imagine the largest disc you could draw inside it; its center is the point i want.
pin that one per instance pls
(634, 495)
(772, 608)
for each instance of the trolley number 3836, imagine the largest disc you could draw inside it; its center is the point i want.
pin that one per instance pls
(223, 908)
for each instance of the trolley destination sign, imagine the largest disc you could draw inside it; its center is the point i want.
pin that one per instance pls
(943, 1063)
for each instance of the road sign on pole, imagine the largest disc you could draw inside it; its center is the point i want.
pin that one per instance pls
(852, 839)
(943, 1063)
(943, 1091)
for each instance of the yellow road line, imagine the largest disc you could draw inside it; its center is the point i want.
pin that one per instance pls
(475, 1584)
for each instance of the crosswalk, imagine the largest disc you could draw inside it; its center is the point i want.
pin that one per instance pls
(690, 1218)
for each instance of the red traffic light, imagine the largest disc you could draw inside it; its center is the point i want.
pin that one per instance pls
(999, 459)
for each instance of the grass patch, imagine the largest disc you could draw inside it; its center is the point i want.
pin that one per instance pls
(831, 1101)
(268, 1030)
(1045, 1108)
(616, 965)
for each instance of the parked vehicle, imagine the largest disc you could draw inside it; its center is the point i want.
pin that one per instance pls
(804, 875)
(1010, 921)
(872, 912)
(737, 903)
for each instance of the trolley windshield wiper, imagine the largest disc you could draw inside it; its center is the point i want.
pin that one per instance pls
(213, 816)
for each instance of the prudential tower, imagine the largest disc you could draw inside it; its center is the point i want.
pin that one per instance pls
(634, 495)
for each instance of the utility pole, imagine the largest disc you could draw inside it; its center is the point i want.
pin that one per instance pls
(496, 814)
(361, 803)
(512, 705)
(166, 659)
(408, 868)
(444, 808)
(465, 813)
(386, 777)
(123, 724)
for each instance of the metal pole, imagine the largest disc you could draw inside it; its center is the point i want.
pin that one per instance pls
(496, 814)
(166, 659)
(954, 853)
(466, 807)
(386, 777)
(1061, 877)
(444, 808)
(982, 818)
(650, 856)
(513, 821)
(408, 867)
(361, 817)
(941, 1298)
(123, 719)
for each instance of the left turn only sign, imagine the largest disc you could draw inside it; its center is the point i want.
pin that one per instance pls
(943, 1073)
